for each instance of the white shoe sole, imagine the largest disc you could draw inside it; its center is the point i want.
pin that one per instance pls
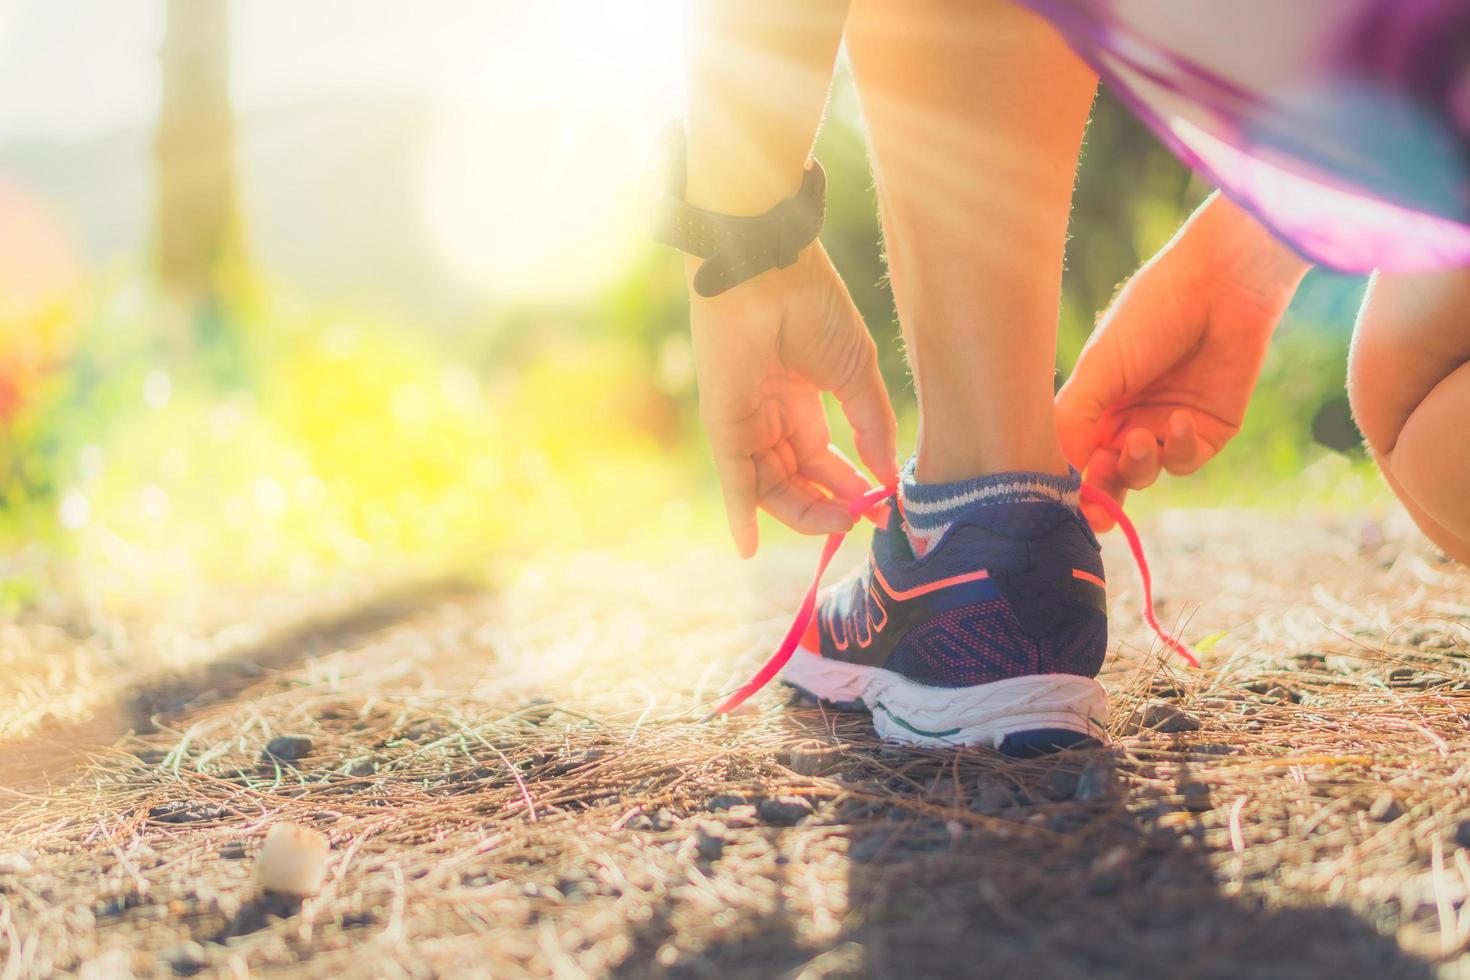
(985, 714)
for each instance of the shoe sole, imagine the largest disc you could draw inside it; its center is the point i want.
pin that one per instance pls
(1020, 715)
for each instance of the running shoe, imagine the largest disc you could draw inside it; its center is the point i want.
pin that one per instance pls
(993, 637)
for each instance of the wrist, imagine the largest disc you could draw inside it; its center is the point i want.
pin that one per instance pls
(714, 183)
(1226, 245)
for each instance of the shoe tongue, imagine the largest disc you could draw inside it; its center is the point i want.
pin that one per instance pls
(890, 538)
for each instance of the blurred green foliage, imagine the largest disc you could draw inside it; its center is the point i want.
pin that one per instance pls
(264, 441)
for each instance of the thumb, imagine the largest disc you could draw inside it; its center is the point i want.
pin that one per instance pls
(1079, 411)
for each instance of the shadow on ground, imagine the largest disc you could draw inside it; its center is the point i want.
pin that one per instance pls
(1118, 884)
(54, 753)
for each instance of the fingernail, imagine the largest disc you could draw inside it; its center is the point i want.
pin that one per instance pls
(1137, 449)
(1179, 425)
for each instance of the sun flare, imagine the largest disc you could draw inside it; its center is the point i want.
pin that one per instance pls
(532, 186)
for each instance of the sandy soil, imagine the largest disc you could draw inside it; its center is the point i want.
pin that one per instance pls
(519, 781)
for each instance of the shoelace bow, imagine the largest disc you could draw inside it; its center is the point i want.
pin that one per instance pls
(863, 507)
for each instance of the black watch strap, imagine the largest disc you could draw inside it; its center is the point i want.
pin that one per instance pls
(737, 248)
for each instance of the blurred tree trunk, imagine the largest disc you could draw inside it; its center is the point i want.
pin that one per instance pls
(198, 227)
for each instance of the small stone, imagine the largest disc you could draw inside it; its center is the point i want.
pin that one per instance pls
(864, 850)
(1462, 833)
(1160, 716)
(1059, 785)
(426, 730)
(575, 761)
(1097, 781)
(233, 851)
(1166, 688)
(186, 811)
(286, 748)
(293, 860)
(14, 864)
(783, 811)
(1431, 639)
(1196, 797)
(709, 839)
(724, 801)
(664, 818)
(187, 958)
(810, 759)
(1385, 808)
(1406, 677)
(363, 767)
(991, 799)
(1272, 691)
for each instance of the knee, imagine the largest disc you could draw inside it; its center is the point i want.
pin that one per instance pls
(1378, 413)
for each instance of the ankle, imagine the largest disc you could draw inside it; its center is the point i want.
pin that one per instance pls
(955, 463)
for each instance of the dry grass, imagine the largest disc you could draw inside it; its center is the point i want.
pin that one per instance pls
(519, 783)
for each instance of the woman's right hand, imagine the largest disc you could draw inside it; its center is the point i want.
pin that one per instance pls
(1164, 381)
(764, 352)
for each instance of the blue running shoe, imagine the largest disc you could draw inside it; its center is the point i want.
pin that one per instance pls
(994, 637)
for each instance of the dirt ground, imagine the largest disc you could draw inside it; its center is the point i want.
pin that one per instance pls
(519, 780)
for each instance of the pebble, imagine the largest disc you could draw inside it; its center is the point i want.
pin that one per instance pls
(1160, 716)
(1196, 797)
(864, 850)
(992, 798)
(1097, 781)
(186, 811)
(724, 801)
(809, 759)
(286, 748)
(1432, 639)
(293, 860)
(1060, 784)
(783, 811)
(1407, 677)
(1272, 691)
(1462, 833)
(709, 839)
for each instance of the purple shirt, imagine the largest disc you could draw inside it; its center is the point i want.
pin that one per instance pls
(1344, 125)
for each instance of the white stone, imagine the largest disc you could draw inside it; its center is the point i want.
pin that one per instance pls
(293, 860)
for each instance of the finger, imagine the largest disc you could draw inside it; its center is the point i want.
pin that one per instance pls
(1138, 462)
(1181, 453)
(1097, 382)
(1097, 518)
(864, 401)
(738, 483)
(795, 502)
(1102, 473)
(828, 468)
(1077, 423)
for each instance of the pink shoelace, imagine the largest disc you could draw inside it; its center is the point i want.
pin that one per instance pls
(863, 507)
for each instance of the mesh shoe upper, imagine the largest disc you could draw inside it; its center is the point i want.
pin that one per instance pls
(1011, 590)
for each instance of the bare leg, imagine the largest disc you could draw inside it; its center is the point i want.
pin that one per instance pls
(975, 111)
(1409, 383)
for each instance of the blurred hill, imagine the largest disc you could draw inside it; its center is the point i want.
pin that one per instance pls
(330, 190)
